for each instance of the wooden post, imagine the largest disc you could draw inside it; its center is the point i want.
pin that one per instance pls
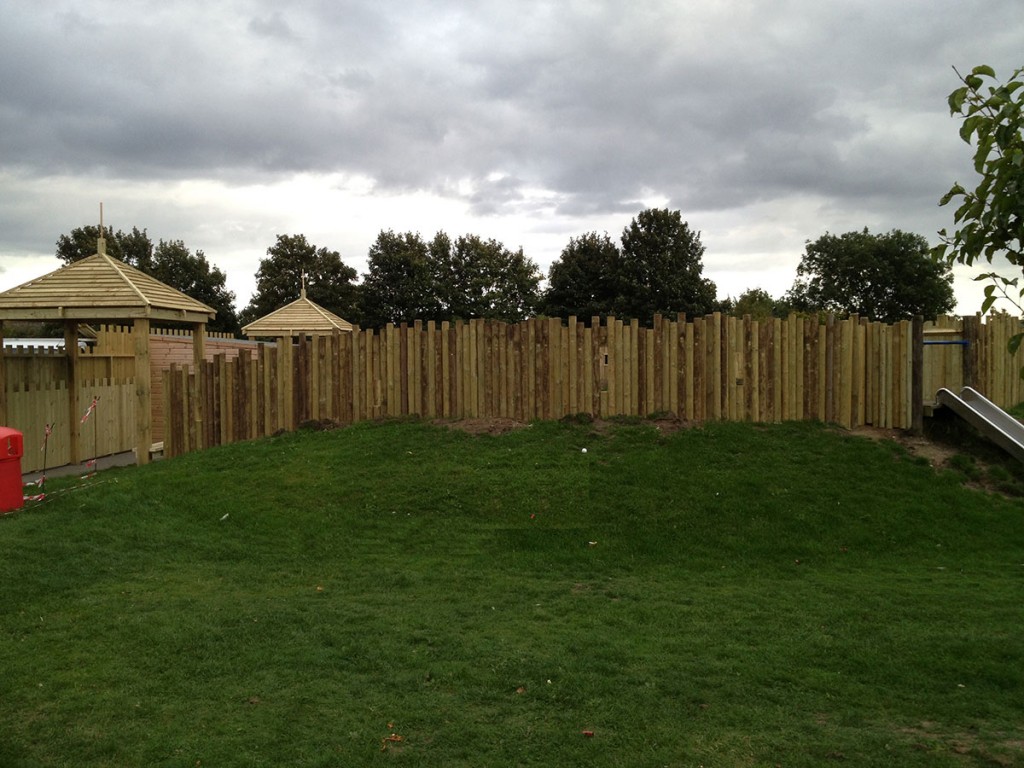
(198, 356)
(3, 378)
(71, 354)
(143, 393)
(970, 349)
(917, 377)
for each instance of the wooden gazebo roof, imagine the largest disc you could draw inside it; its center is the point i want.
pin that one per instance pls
(100, 288)
(300, 318)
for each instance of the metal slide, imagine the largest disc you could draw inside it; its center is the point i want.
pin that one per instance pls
(988, 418)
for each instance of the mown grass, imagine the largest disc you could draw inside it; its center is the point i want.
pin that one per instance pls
(730, 595)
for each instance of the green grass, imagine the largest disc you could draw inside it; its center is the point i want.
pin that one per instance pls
(978, 460)
(733, 595)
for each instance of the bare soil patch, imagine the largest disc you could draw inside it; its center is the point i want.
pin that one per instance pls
(482, 426)
(936, 453)
(667, 424)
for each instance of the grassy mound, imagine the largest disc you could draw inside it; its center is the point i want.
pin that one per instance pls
(403, 593)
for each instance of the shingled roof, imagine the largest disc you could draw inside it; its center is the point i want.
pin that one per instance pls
(100, 288)
(300, 318)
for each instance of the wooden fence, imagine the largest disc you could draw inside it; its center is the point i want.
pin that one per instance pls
(37, 391)
(37, 396)
(851, 372)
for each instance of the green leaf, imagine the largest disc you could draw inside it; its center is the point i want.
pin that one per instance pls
(973, 82)
(957, 99)
(983, 69)
(955, 190)
(1014, 343)
(968, 127)
(982, 154)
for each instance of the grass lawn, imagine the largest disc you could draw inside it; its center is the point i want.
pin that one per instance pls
(403, 594)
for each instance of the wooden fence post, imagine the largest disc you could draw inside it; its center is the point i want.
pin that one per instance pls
(917, 377)
(143, 392)
(970, 350)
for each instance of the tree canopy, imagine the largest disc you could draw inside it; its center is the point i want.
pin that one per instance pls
(292, 259)
(170, 262)
(399, 286)
(583, 281)
(661, 267)
(886, 277)
(134, 248)
(757, 303)
(657, 270)
(469, 277)
(193, 275)
(482, 278)
(990, 218)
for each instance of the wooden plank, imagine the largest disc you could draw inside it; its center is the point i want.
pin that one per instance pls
(613, 353)
(859, 373)
(716, 369)
(633, 368)
(733, 378)
(446, 370)
(571, 395)
(589, 360)
(686, 364)
(71, 377)
(917, 383)
(431, 409)
(752, 374)
(622, 377)
(143, 392)
(417, 370)
(698, 393)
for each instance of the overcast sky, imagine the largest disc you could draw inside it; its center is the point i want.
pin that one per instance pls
(226, 123)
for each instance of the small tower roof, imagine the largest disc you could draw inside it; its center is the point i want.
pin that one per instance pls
(300, 318)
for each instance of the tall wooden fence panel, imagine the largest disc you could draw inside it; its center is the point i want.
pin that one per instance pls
(851, 372)
(972, 351)
(37, 396)
(174, 346)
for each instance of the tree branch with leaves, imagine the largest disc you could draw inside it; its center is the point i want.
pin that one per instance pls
(990, 218)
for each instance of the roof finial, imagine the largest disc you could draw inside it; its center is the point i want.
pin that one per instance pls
(302, 294)
(101, 242)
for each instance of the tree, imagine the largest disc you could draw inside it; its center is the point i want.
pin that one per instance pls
(584, 280)
(660, 268)
(134, 248)
(886, 277)
(990, 219)
(169, 262)
(328, 280)
(759, 304)
(176, 266)
(482, 278)
(399, 286)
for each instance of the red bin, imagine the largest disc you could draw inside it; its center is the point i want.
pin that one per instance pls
(11, 450)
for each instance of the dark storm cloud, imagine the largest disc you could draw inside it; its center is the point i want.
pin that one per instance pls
(583, 99)
(576, 108)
